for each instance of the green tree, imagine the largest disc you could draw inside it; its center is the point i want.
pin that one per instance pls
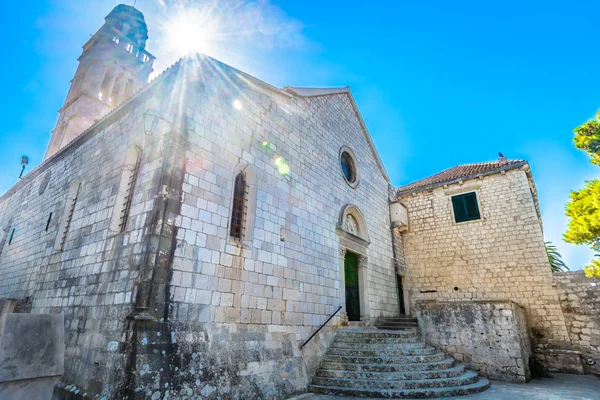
(593, 270)
(584, 213)
(587, 138)
(555, 258)
(584, 207)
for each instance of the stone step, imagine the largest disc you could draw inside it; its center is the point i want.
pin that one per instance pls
(446, 363)
(384, 359)
(382, 340)
(395, 327)
(465, 379)
(478, 386)
(451, 372)
(396, 319)
(374, 333)
(382, 351)
(374, 346)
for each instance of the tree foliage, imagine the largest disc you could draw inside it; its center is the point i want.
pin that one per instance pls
(593, 270)
(584, 213)
(587, 138)
(584, 207)
(555, 258)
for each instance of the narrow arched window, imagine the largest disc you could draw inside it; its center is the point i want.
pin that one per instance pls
(239, 209)
(104, 94)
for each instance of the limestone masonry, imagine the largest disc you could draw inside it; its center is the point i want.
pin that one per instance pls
(195, 231)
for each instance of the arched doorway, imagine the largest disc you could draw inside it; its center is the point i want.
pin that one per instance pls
(354, 242)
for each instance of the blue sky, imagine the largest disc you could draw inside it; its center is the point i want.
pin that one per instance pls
(439, 83)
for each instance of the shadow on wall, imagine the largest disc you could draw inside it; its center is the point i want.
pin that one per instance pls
(32, 352)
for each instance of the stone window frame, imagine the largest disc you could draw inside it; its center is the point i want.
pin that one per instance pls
(464, 190)
(251, 194)
(239, 209)
(346, 149)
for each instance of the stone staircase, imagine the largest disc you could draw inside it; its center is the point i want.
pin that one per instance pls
(390, 363)
(395, 323)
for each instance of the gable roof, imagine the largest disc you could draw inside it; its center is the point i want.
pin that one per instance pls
(460, 173)
(314, 92)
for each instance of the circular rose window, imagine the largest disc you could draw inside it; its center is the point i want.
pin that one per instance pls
(349, 167)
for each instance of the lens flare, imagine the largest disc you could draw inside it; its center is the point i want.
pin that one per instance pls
(282, 166)
(191, 31)
(284, 169)
(237, 105)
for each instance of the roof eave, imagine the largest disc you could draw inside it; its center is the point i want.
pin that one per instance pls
(401, 193)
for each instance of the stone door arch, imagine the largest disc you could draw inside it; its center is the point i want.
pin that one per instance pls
(354, 238)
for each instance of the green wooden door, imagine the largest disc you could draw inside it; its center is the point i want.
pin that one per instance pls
(352, 293)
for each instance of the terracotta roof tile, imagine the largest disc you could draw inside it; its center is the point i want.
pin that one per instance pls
(460, 172)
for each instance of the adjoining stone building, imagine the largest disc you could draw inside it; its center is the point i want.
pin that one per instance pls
(200, 232)
(476, 236)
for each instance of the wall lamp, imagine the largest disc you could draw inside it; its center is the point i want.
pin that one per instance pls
(24, 162)
(151, 122)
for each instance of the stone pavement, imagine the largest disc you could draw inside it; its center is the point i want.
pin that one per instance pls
(561, 387)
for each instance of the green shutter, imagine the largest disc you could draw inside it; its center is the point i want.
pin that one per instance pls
(460, 214)
(465, 207)
(471, 206)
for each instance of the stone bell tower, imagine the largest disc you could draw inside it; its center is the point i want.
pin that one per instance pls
(114, 65)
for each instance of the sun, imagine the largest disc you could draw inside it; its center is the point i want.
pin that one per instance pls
(191, 31)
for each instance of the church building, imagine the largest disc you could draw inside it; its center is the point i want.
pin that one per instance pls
(208, 235)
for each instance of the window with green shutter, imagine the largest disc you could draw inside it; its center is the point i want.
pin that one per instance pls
(465, 207)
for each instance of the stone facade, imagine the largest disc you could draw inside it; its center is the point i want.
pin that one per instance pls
(126, 229)
(580, 302)
(91, 277)
(490, 337)
(256, 300)
(498, 257)
(172, 304)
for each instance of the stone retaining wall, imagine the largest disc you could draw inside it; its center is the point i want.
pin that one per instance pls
(580, 302)
(31, 355)
(489, 336)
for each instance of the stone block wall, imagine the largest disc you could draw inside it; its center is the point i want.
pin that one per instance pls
(580, 302)
(241, 309)
(173, 306)
(499, 257)
(489, 336)
(91, 280)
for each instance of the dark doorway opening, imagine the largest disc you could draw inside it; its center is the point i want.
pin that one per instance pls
(400, 279)
(352, 290)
